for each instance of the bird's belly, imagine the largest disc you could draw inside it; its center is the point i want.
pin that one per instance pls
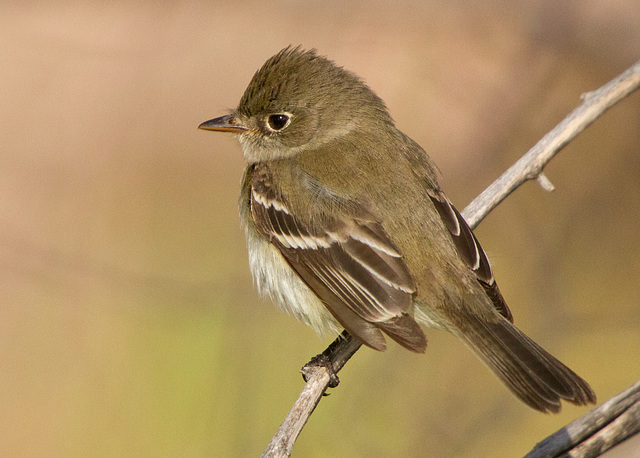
(275, 278)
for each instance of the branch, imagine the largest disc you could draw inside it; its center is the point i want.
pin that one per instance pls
(596, 432)
(320, 376)
(530, 166)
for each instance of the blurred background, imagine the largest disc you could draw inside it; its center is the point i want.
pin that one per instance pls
(128, 321)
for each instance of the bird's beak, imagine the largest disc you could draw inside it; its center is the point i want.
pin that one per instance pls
(227, 123)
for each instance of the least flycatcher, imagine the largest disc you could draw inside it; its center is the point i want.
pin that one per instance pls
(347, 227)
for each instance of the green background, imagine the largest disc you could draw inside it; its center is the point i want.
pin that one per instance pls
(128, 322)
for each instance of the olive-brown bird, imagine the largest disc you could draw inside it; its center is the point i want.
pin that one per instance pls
(347, 227)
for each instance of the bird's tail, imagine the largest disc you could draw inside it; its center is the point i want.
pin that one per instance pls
(530, 372)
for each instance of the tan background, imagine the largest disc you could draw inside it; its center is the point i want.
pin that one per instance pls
(128, 322)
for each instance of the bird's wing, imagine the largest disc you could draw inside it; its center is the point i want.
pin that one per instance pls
(349, 262)
(470, 250)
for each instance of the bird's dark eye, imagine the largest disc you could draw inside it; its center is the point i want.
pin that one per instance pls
(278, 121)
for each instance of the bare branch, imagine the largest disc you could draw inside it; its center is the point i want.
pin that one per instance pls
(596, 432)
(319, 377)
(530, 166)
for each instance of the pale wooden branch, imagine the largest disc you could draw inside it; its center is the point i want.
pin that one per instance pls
(318, 379)
(596, 432)
(528, 167)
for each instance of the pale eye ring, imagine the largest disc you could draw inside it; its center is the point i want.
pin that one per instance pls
(278, 121)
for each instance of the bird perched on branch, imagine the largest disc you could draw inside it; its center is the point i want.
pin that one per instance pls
(347, 227)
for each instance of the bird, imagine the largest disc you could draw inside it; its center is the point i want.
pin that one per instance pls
(348, 228)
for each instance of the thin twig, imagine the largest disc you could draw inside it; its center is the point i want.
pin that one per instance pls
(318, 380)
(528, 167)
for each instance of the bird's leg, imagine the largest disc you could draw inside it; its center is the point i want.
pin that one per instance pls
(333, 358)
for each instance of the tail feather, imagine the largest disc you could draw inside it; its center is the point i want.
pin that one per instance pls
(530, 372)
